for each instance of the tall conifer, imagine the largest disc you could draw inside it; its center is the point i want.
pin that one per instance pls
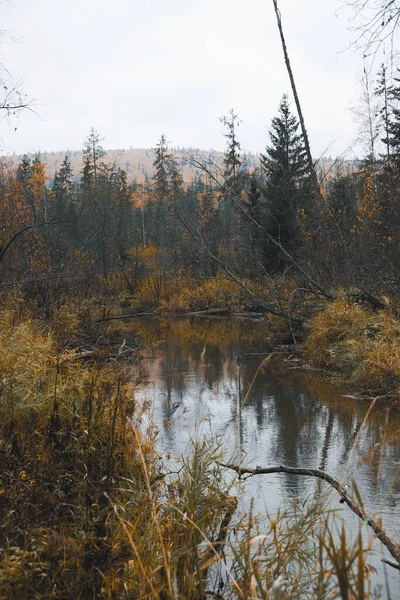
(287, 176)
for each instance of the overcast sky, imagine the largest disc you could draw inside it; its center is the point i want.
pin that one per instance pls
(134, 69)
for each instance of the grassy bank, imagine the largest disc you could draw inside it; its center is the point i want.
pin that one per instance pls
(346, 334)
(358, 343)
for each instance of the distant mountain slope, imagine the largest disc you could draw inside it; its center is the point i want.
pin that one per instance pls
(138, 162)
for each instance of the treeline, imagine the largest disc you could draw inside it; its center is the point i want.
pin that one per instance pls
(341, 230)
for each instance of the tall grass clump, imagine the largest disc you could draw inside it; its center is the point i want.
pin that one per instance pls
(196, 545)
(359, 343)
(301, 552)
(85, 509)
(66, 439)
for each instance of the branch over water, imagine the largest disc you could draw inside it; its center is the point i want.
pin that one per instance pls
(375, 525)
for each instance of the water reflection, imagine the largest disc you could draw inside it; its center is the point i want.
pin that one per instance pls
(201, 372)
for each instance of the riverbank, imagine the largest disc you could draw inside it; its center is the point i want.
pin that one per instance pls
(359, 344)
(351, 335)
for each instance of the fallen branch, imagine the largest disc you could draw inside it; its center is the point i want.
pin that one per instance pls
(121, 317)
(391, 564)
(248, 315)
(223, 311)
(209, 311)
(376, 527)
(103, 353)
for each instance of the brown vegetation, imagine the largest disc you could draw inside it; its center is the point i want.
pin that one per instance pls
(359, 343)
(88, 510)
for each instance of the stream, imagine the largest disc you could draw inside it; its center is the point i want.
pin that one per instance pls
(207, 379)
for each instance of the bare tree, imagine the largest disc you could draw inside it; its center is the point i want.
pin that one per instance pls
(376, 21)
(13, 101)
(367, 115)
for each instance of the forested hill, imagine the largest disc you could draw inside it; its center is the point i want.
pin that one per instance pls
(138, 162)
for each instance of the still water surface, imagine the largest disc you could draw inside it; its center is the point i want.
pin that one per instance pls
(200, 371)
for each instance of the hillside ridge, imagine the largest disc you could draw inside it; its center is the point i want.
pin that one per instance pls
(138, 162)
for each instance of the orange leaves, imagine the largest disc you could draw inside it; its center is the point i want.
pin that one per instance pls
(37, 181)
(14, 213)
(150, 257)
(140, 197)
(22, 202)
(369, 220)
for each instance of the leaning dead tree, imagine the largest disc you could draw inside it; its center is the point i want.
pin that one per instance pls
(375, 525)
(296, 96)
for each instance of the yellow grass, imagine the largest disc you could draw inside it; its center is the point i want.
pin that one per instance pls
(361, 344)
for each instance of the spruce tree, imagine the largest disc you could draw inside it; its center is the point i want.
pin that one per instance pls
(393, 125)
(93, 152)
(160, 164)
(167, 178)
(168, 193)
(228, 210)
(232, 161)
(382, 92)
(63, 189)
(287, 182)
(122, 230)
(95, 213)
(63, 236)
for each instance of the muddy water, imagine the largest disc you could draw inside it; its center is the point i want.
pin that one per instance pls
(205, 379)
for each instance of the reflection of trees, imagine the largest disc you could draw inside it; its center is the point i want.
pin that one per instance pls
(327, 440)
(291, 413)
(313, 426)
(290, 417)
(297, 431)
(213, 366)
